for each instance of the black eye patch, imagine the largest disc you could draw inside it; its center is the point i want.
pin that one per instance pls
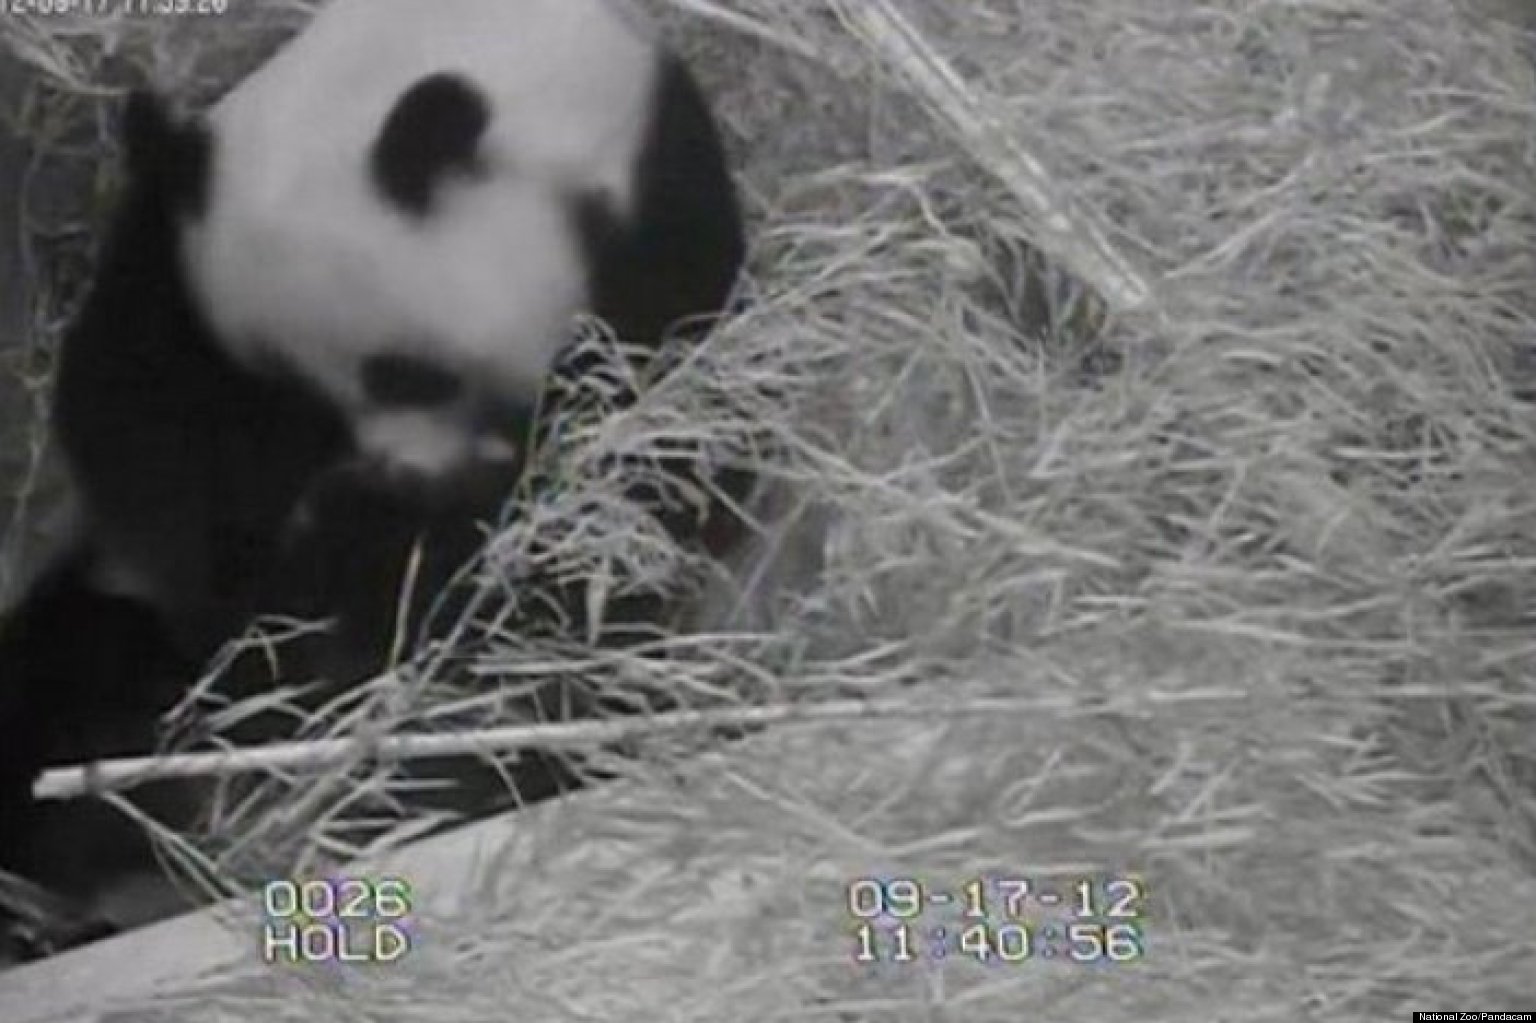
(432, 133)
(396, 380)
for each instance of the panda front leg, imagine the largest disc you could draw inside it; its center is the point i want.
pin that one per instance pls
(393, 522)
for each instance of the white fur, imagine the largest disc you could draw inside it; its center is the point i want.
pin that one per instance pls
(422, 443)
(298, 251)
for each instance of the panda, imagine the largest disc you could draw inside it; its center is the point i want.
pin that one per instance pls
(320, 330)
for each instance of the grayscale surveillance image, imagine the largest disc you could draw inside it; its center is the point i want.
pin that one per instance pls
(736, 510)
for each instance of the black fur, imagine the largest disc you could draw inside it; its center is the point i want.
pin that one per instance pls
(186, 468)
(95, 672)
(681, 253)
(671, 267)
(186, 463)
(432, 133)
(164, 157)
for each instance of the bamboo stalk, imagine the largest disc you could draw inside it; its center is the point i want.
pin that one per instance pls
(128, 772)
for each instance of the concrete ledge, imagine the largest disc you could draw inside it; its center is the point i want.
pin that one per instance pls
(172, 958)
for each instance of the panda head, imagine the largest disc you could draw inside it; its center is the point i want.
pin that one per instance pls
(407, 206)
(371, 250)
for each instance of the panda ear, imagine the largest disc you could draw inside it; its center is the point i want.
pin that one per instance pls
(164, 153)
(147, 129)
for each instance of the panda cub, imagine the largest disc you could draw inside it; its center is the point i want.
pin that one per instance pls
(321, 323)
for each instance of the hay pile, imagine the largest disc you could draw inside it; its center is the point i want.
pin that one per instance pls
(1179, 421)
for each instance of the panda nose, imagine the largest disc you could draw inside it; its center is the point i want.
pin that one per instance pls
(399, 380)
